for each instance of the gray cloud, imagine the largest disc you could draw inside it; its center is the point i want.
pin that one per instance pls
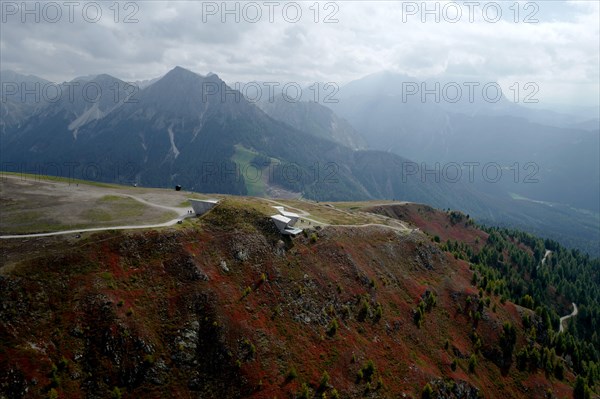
(560, 52)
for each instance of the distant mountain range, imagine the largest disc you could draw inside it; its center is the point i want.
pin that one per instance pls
(310, 116)
(193, 130)
(549, 147)
(189, 129)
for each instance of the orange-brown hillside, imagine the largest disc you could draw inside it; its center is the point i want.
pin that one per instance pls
(228, 308)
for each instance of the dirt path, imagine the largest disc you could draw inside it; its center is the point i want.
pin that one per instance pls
(183, 214)
(400, 229)
(548, 252)
(165, 207)
(565, 318)
(304, 215)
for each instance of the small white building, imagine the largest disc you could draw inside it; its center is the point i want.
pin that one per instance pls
(291, 215)
(285, 221)
(200, 207)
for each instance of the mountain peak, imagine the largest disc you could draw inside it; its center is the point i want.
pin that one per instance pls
(181, 78)
(8, 75)
(180, 72)
(104, 78)
(183, 92)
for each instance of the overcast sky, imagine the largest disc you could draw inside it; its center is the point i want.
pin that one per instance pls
(559, 52)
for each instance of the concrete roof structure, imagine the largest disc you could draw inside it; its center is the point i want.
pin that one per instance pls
(285, 222)
(291, 215)
(280, 221)
(200, 207)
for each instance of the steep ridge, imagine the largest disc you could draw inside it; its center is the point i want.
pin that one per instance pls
(195, 131)
(548, 180)
(314, 118)
(17, 105)
(513, 265)
(226, 307)
(187, 129)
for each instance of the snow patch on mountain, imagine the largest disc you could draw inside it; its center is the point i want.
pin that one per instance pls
(174, 149)
(91, 114)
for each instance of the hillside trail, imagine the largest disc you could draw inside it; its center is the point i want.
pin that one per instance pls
(302, 213)
(398, 229)
(182, 212)
(165, 207)
(546, 254)
(185, 213)
(564, 318)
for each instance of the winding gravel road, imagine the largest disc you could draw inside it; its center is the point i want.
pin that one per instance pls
(183, 214)
(564, 318)
(304, 215)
